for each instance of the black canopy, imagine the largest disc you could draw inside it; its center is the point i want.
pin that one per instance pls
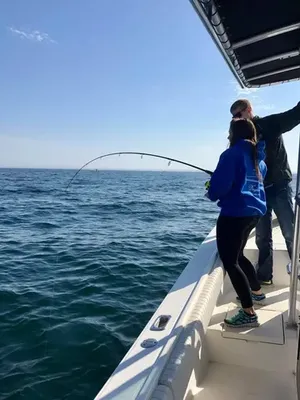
(259, 39)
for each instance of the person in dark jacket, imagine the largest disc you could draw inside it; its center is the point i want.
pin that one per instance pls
(277, 182)
(237, 183)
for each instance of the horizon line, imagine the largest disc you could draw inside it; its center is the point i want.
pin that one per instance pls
(110, 169)
(103, 169)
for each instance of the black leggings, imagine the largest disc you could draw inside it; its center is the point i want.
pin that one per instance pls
(232, 236)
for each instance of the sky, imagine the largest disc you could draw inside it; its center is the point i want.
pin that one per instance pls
(82, 78)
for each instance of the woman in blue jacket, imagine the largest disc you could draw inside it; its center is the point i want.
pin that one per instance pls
(238, 185)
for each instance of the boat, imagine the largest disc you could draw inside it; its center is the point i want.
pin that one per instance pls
(185, 352)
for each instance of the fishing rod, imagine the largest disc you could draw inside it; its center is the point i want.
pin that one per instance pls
(141, 154)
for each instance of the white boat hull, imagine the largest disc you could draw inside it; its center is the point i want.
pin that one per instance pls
(195, 356)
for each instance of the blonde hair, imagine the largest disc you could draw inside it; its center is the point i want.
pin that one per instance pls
(242, 103)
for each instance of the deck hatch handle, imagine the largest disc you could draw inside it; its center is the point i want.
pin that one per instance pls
(160, 323)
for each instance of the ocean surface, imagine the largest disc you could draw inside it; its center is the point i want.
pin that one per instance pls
(83, 270)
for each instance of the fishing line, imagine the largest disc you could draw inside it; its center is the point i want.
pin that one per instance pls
(141, 154)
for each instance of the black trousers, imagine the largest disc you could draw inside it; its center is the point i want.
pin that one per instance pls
(280, 199)
(232, 236)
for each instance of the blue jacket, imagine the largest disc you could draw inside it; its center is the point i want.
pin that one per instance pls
(235, 183)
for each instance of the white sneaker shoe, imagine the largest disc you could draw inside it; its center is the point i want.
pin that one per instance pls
(289, 269)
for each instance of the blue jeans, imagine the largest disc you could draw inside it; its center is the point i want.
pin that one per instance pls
(279, 199)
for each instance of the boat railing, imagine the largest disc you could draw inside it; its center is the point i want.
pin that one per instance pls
(293, 312)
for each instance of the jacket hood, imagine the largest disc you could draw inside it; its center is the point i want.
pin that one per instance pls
(260, 147)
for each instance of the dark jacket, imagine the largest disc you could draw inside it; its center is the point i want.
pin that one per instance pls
(235, 183)
(270, 129)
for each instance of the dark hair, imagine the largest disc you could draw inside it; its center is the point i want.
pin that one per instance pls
(241, 128)
(242, 103)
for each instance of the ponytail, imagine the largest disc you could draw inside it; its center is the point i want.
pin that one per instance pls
(241, 128)
(254, 151)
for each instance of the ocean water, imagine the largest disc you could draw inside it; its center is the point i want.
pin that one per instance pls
(83, 270)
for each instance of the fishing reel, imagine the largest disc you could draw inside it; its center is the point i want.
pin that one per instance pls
(207, 185)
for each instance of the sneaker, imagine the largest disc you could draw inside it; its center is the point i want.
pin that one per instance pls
(266, 283)
(242, 319)
(289, 269)
(257, 299)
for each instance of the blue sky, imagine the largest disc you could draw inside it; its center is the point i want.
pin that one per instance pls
(82, 78)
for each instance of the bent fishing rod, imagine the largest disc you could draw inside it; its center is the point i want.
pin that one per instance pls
(141, 154)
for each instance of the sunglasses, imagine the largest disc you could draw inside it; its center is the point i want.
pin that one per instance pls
(239, 114)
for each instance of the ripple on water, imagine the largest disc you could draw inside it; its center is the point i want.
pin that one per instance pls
(83, 270)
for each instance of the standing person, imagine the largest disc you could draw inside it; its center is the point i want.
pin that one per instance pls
(277, 182)
(238, 185)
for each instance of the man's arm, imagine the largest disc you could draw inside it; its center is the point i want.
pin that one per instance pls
(277, 124)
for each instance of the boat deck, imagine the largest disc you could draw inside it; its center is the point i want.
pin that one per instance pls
(253, 363)
(230, 382)
(256, 363)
